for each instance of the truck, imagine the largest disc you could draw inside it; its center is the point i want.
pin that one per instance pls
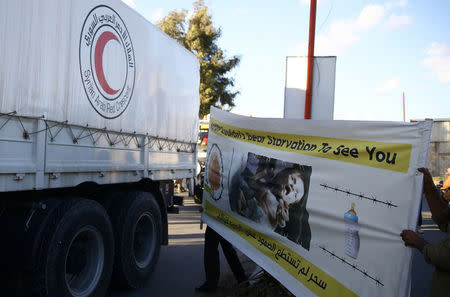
(98, 116)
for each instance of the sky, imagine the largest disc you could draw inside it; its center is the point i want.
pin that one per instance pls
(383, 48)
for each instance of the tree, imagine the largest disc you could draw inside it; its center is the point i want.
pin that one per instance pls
(198, 34)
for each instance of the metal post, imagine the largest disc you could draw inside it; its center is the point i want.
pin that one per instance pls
(309, 79)
(403, 106)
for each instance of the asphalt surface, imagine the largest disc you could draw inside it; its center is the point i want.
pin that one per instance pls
(180, 267)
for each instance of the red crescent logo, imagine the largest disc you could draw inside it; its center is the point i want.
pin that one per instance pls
(109, 91)
(104, 38)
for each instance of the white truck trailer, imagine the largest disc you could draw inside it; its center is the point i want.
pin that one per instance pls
(98, 115)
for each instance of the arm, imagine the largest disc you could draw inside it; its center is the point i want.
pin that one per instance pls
(437, 205)
(435, 254)
(438, 254)
(413, 240)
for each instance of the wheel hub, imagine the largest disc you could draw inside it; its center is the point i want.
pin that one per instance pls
(144, 244)
(84, 261)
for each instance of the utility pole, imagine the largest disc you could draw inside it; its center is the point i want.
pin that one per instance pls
(403, 106)
(309, 79)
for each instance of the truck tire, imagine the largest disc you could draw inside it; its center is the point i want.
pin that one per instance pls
(77, 252)
(137, 225)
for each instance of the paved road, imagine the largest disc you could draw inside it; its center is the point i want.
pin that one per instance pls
(180, 267)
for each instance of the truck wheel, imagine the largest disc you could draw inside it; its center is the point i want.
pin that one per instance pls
(77, 252)
(137, 228)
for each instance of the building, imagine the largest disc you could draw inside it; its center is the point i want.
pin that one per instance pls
(439, 152)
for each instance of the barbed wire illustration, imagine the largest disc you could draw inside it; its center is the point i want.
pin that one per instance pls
(362, 196)
(353, 266)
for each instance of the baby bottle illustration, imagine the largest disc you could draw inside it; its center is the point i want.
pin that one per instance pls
(351, 233)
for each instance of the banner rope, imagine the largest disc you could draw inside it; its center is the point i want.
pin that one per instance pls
(54, 128)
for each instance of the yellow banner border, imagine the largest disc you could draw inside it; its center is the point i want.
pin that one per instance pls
(384, 155)
(308, 274)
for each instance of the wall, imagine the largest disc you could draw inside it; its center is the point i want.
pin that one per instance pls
(439, 153)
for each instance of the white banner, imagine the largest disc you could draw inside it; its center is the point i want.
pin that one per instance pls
(318, 204)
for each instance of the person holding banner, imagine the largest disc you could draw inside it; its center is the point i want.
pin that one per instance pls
(437, 254)
(212, 262)
(446, 184)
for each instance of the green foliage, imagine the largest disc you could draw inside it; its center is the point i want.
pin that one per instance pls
(198, 34)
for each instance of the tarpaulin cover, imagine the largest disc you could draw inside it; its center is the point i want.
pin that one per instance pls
(96, 63)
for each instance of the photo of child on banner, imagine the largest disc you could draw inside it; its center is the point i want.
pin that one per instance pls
(274, 193)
